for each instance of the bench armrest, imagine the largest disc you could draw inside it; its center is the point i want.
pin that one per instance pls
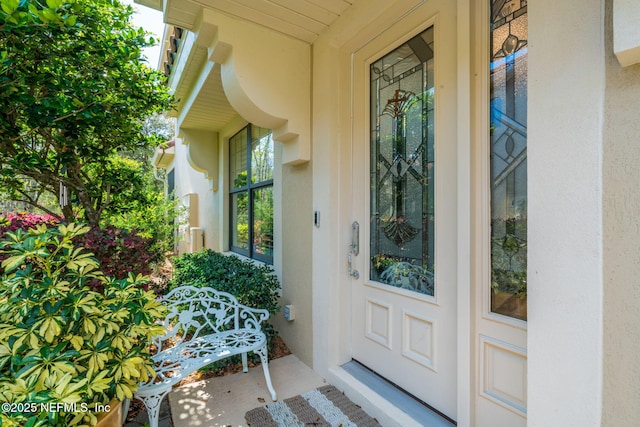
(250, 317)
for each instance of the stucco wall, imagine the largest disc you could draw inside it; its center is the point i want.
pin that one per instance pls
(328, 93)
(297, 223)
(188, 180)
(621, 176)
(566, 100)
(292, 222)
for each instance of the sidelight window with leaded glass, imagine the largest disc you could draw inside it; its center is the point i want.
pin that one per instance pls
(508, 130)
(402, 166)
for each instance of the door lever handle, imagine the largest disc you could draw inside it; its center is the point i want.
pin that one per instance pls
(355, 238)
(354, 248)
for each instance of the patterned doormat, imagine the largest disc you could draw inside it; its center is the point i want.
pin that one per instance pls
(324, 406)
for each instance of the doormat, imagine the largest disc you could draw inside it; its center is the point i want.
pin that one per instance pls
(324, 406)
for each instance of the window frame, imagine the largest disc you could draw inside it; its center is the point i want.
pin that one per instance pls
(250, 188)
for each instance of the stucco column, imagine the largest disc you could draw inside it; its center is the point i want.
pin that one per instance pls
(565, 283)
(621, 175)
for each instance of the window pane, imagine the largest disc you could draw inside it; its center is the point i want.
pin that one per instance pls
(509, 158)
(251, 174)
(238, 159)
(402, 166)
(263, 221)
(240, 220)
(261, 155)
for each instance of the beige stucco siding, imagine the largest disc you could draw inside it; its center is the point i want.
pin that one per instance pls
(297, 224)
(621, 179)
(188, 180)
(565, 286)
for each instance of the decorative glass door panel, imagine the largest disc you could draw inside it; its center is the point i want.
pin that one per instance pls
(508, 128)
(403, 327)
(402, 166)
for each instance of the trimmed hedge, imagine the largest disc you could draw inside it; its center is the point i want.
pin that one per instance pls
(255, 285)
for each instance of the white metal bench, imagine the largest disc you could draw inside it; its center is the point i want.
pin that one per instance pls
(203, 326)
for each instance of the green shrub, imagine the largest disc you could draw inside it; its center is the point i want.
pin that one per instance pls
(254, 285)
(62, 342)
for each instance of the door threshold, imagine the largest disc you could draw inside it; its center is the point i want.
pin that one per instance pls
(416, 409)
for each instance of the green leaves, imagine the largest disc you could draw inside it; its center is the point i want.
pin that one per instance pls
(9, 6)
(74, 92)
(54, 4)
(61, 341)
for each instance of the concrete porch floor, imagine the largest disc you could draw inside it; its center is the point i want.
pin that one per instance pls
(223, 401)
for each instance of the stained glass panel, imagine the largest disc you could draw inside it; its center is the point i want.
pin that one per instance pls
(508, 128)
(402, 166)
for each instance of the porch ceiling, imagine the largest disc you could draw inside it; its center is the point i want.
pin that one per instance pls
(218, 30)
(301, 19)
(210, 109)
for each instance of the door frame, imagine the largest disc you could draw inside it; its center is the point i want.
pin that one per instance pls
(331, 298)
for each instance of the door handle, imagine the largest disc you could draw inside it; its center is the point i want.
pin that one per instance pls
(354, 248)
(355, 238)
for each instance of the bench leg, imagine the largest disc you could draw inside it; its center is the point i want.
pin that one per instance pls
(263, 352)
(245, 367)
(152, 403)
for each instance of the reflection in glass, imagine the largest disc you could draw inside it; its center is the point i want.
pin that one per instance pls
(261, 155)
(251, 166)
(263, 221)
(240, 220)
(508, 78)
(238, 159)
(402, 166)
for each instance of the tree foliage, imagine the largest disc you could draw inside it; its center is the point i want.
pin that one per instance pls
(75, 92)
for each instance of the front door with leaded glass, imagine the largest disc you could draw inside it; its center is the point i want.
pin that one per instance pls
(404, 174)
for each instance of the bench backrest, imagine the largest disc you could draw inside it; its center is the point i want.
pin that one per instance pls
(195, 311)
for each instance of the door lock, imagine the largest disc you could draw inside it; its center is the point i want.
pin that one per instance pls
(353, 272)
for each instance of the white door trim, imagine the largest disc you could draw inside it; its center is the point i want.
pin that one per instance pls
(465, 291)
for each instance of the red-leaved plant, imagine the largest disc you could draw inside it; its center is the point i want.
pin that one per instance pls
(118, 251)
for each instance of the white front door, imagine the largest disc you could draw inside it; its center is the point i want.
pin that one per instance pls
(404, 203)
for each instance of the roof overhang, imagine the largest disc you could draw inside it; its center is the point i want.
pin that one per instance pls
(301, 20)
(153, 4)
(251, 59)
(163, 157)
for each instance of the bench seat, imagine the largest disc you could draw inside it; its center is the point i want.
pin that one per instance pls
(203, 326)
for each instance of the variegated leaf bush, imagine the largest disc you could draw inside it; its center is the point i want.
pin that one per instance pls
(62, 342)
